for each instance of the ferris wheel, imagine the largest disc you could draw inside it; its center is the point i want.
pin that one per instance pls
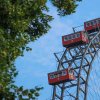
(77, 75)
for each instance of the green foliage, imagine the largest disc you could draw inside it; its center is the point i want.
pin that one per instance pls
(39, 26)
(13, 92)
(65, 7)
(22, 21)
(15, 19)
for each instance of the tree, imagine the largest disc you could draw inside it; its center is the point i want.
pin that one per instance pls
(65, 7)
(22, 21)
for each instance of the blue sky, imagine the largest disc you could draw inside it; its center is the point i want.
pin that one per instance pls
(35, 65)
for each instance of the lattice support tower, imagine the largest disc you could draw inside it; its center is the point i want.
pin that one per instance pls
(80, 58)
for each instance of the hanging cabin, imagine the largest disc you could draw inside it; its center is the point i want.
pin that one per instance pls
(61, 76)
(74, 39)
(92, 25)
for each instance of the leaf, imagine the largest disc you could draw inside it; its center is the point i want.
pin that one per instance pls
(20, 97)
(21, 88)
(32, 90)
(36, 94)
(25, 92)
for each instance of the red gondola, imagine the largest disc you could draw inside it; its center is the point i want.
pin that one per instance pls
(74, 39)
(92, 25)
(58, 77)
